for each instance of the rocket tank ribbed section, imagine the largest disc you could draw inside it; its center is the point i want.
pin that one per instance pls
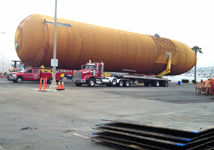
(79, 42)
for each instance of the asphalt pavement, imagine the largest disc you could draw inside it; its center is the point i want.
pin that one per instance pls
(53, 120)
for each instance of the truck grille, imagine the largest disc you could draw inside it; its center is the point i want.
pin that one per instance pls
(78, 75)
(10, 74)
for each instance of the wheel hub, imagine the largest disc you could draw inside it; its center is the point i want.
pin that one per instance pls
(92, 83)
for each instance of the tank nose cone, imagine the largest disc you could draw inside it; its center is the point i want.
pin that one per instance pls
(186, 58)
(29, 40)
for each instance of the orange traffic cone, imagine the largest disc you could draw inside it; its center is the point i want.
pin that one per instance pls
(59, 86)
(40, 87)
(44, 87)
(45, 84)
(62, 86)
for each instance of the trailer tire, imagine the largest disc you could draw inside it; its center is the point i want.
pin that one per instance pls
(91, 82)
(121, 83)
(127, 83)
(157, 83)
(114, 82)
(19, 80)
(166, 84)
(146, 83)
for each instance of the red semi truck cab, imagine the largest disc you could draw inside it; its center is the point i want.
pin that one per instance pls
(31, 75)
(91, 74)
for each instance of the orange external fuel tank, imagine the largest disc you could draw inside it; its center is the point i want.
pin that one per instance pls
(79, 42)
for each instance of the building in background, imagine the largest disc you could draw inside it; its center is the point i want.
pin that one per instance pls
(5, 64)
(204, 72)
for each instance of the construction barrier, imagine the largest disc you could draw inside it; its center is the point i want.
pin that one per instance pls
(43, 82)
(3, 76)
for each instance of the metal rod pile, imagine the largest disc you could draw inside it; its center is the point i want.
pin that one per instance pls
(138, 136)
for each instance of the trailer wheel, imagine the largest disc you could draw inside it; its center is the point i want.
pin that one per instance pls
(19, 80)
(157, 83)
(114, 82)
(121, 83)
(127, 83)
(91, 82)
(166, 84)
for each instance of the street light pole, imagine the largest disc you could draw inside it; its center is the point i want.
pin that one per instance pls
(54, 61)
(54, 52)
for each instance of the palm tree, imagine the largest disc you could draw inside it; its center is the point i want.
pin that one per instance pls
(196, 49)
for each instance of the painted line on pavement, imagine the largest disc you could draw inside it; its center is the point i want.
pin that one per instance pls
(80, 135)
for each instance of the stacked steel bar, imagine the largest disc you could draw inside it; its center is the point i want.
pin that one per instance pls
(138, 136)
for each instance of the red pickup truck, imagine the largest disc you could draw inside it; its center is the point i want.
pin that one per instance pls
(31, 75)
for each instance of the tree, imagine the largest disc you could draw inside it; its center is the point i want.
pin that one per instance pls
(196, 49)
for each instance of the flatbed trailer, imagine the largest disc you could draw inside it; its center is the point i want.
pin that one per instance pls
(147, 80)
(93, 73)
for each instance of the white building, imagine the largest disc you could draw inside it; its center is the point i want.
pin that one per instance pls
(207, 72)
(5, 64)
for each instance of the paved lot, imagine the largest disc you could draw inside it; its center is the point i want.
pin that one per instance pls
(63, 119)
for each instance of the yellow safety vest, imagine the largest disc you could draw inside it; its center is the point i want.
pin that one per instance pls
(62, 75)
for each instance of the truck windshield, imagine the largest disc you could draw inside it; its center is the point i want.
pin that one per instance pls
(89, 67)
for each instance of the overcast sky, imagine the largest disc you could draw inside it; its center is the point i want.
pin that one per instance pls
(187, 21)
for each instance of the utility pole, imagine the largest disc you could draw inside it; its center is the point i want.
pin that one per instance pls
(54, 61)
